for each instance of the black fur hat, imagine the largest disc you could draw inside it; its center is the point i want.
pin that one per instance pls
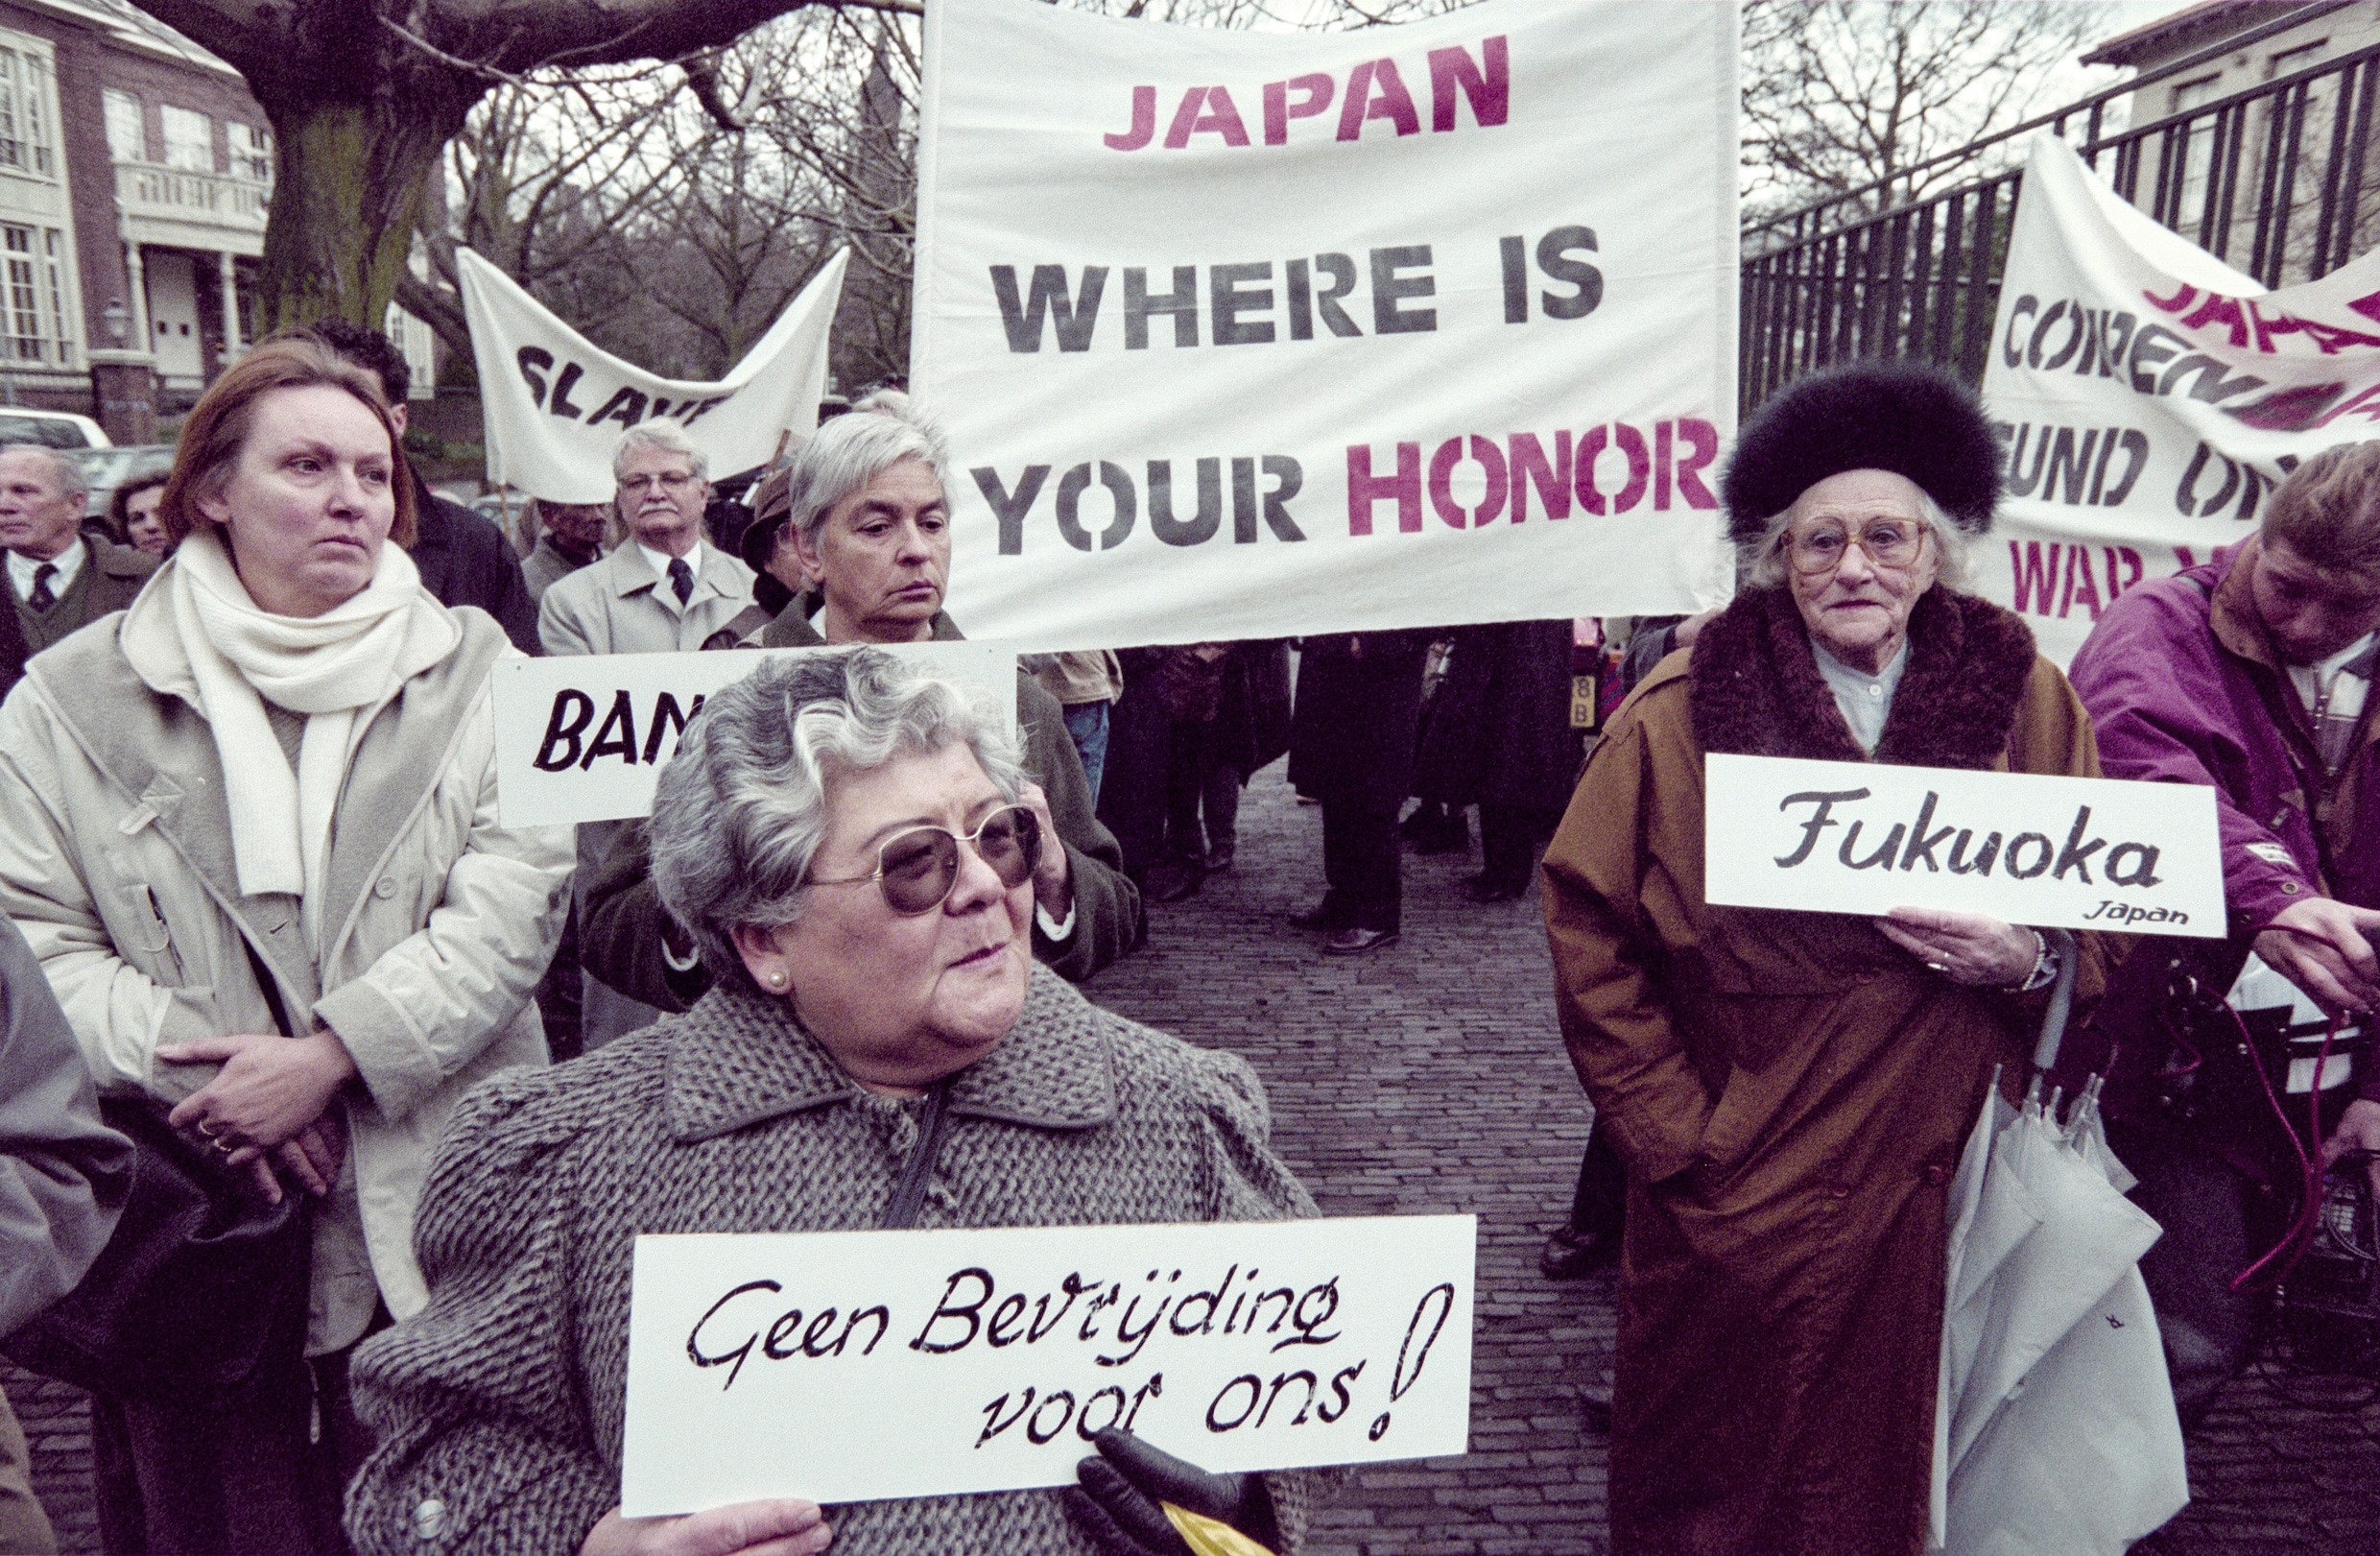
(1908, 418)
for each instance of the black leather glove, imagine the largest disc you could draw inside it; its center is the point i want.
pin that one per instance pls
(1116, 1503)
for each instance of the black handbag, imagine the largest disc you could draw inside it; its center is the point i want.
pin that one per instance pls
(203, 1282)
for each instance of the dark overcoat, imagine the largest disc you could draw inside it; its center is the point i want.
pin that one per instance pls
(1790, 1092)
(1357, 709)
(1497, 730)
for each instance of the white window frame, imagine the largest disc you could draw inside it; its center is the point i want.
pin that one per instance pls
(127, 125)
(252, 150)
(178, 148)
(28, 114)
(33, 296)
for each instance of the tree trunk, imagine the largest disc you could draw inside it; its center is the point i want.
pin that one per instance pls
(350, 188)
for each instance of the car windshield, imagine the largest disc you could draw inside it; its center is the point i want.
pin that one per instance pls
(42, 430)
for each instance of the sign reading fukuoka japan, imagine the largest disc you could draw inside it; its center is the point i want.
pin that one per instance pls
(853, 1366)
(583, 737)
(1244, 335)
(1861, 837)
(2148, 398)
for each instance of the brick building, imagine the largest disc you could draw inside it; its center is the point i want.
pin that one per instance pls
(136, 178)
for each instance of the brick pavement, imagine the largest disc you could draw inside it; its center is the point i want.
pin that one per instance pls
(1427, 1078)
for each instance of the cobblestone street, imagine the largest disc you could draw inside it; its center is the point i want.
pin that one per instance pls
(1428, 1077)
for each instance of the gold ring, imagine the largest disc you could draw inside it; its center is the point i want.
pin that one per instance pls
(201, 1127)
(220, 1144)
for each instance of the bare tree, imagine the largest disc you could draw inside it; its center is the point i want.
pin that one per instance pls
(1843, 93)
(364, 96)
(671, 211)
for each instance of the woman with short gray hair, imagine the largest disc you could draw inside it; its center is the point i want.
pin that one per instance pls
(844, 837)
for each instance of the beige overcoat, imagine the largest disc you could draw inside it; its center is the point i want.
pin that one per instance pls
(115, 861)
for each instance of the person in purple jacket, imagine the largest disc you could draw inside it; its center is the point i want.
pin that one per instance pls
(2251, 674)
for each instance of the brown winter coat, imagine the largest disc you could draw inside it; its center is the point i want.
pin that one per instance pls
(1790, 1090)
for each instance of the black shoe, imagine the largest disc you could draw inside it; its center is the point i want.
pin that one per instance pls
(1356, 941)
(1480, 889)
(1170, 880)
(1570, 1254)
(1324, 915)
(1220, 858)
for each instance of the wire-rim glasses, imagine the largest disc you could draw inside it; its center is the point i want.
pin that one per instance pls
(918, 869)
(1892, 544)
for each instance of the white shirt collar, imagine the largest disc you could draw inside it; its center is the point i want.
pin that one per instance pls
(68, 562)
(661, 560)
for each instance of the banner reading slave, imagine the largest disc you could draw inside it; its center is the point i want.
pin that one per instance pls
(555, 405)
(2148, 398)
(851, 1365)
(1245, 335)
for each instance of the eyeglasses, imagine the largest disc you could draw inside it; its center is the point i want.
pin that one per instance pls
(666, 479)
(1892, 544)
(918, 869)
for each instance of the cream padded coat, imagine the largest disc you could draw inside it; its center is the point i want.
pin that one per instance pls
(115, 861)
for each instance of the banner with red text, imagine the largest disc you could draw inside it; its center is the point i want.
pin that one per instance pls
(2148, 398)
(1253, 334)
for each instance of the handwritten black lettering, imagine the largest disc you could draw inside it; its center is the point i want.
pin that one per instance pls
(1819, 817)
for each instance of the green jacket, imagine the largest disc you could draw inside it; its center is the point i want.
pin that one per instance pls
(623, 918)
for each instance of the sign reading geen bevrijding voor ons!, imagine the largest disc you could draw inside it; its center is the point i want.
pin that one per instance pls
(1860, 837)
(857, 1366)
(582, 737)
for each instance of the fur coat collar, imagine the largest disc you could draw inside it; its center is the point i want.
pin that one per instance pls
(1757, 692)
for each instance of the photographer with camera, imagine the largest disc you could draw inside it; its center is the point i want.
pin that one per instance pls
(2251, 674)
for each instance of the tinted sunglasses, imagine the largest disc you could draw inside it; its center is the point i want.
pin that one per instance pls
(918, 869)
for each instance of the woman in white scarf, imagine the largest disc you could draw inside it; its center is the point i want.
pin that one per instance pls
(249, 826)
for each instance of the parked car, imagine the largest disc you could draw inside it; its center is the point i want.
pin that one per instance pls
(104, 468)
(51, 429)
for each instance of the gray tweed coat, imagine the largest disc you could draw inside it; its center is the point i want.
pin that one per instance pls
(502, 1401)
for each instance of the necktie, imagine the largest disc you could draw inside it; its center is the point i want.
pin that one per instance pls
(44, 596)
(682, 579)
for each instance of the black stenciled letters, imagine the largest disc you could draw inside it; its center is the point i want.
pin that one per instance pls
(1388, 288)
(1010, 508)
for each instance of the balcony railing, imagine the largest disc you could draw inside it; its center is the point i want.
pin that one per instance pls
(145, 189)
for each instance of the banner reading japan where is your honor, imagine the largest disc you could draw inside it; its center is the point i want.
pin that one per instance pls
(1246, 335)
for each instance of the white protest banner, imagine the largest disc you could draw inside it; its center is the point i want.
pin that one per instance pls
(1861, 837)
(855, 1366)
(555, 405)
(583, 737)
(2150, 397)
(1246, 334)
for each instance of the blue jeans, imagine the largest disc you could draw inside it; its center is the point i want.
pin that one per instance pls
(1087, 723)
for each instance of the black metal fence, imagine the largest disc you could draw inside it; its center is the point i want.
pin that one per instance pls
(2281, 179)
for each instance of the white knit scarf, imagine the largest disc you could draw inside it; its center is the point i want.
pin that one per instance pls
(328, 668)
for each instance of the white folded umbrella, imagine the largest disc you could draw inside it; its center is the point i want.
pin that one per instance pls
(2054, 1428)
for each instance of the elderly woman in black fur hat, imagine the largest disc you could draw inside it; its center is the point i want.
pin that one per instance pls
(1791, 1091)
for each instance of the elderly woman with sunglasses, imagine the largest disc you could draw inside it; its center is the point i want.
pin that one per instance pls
(849, 844)
(1791, 1091)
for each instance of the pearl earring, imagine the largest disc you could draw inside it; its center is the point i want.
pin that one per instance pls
(776, 980)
